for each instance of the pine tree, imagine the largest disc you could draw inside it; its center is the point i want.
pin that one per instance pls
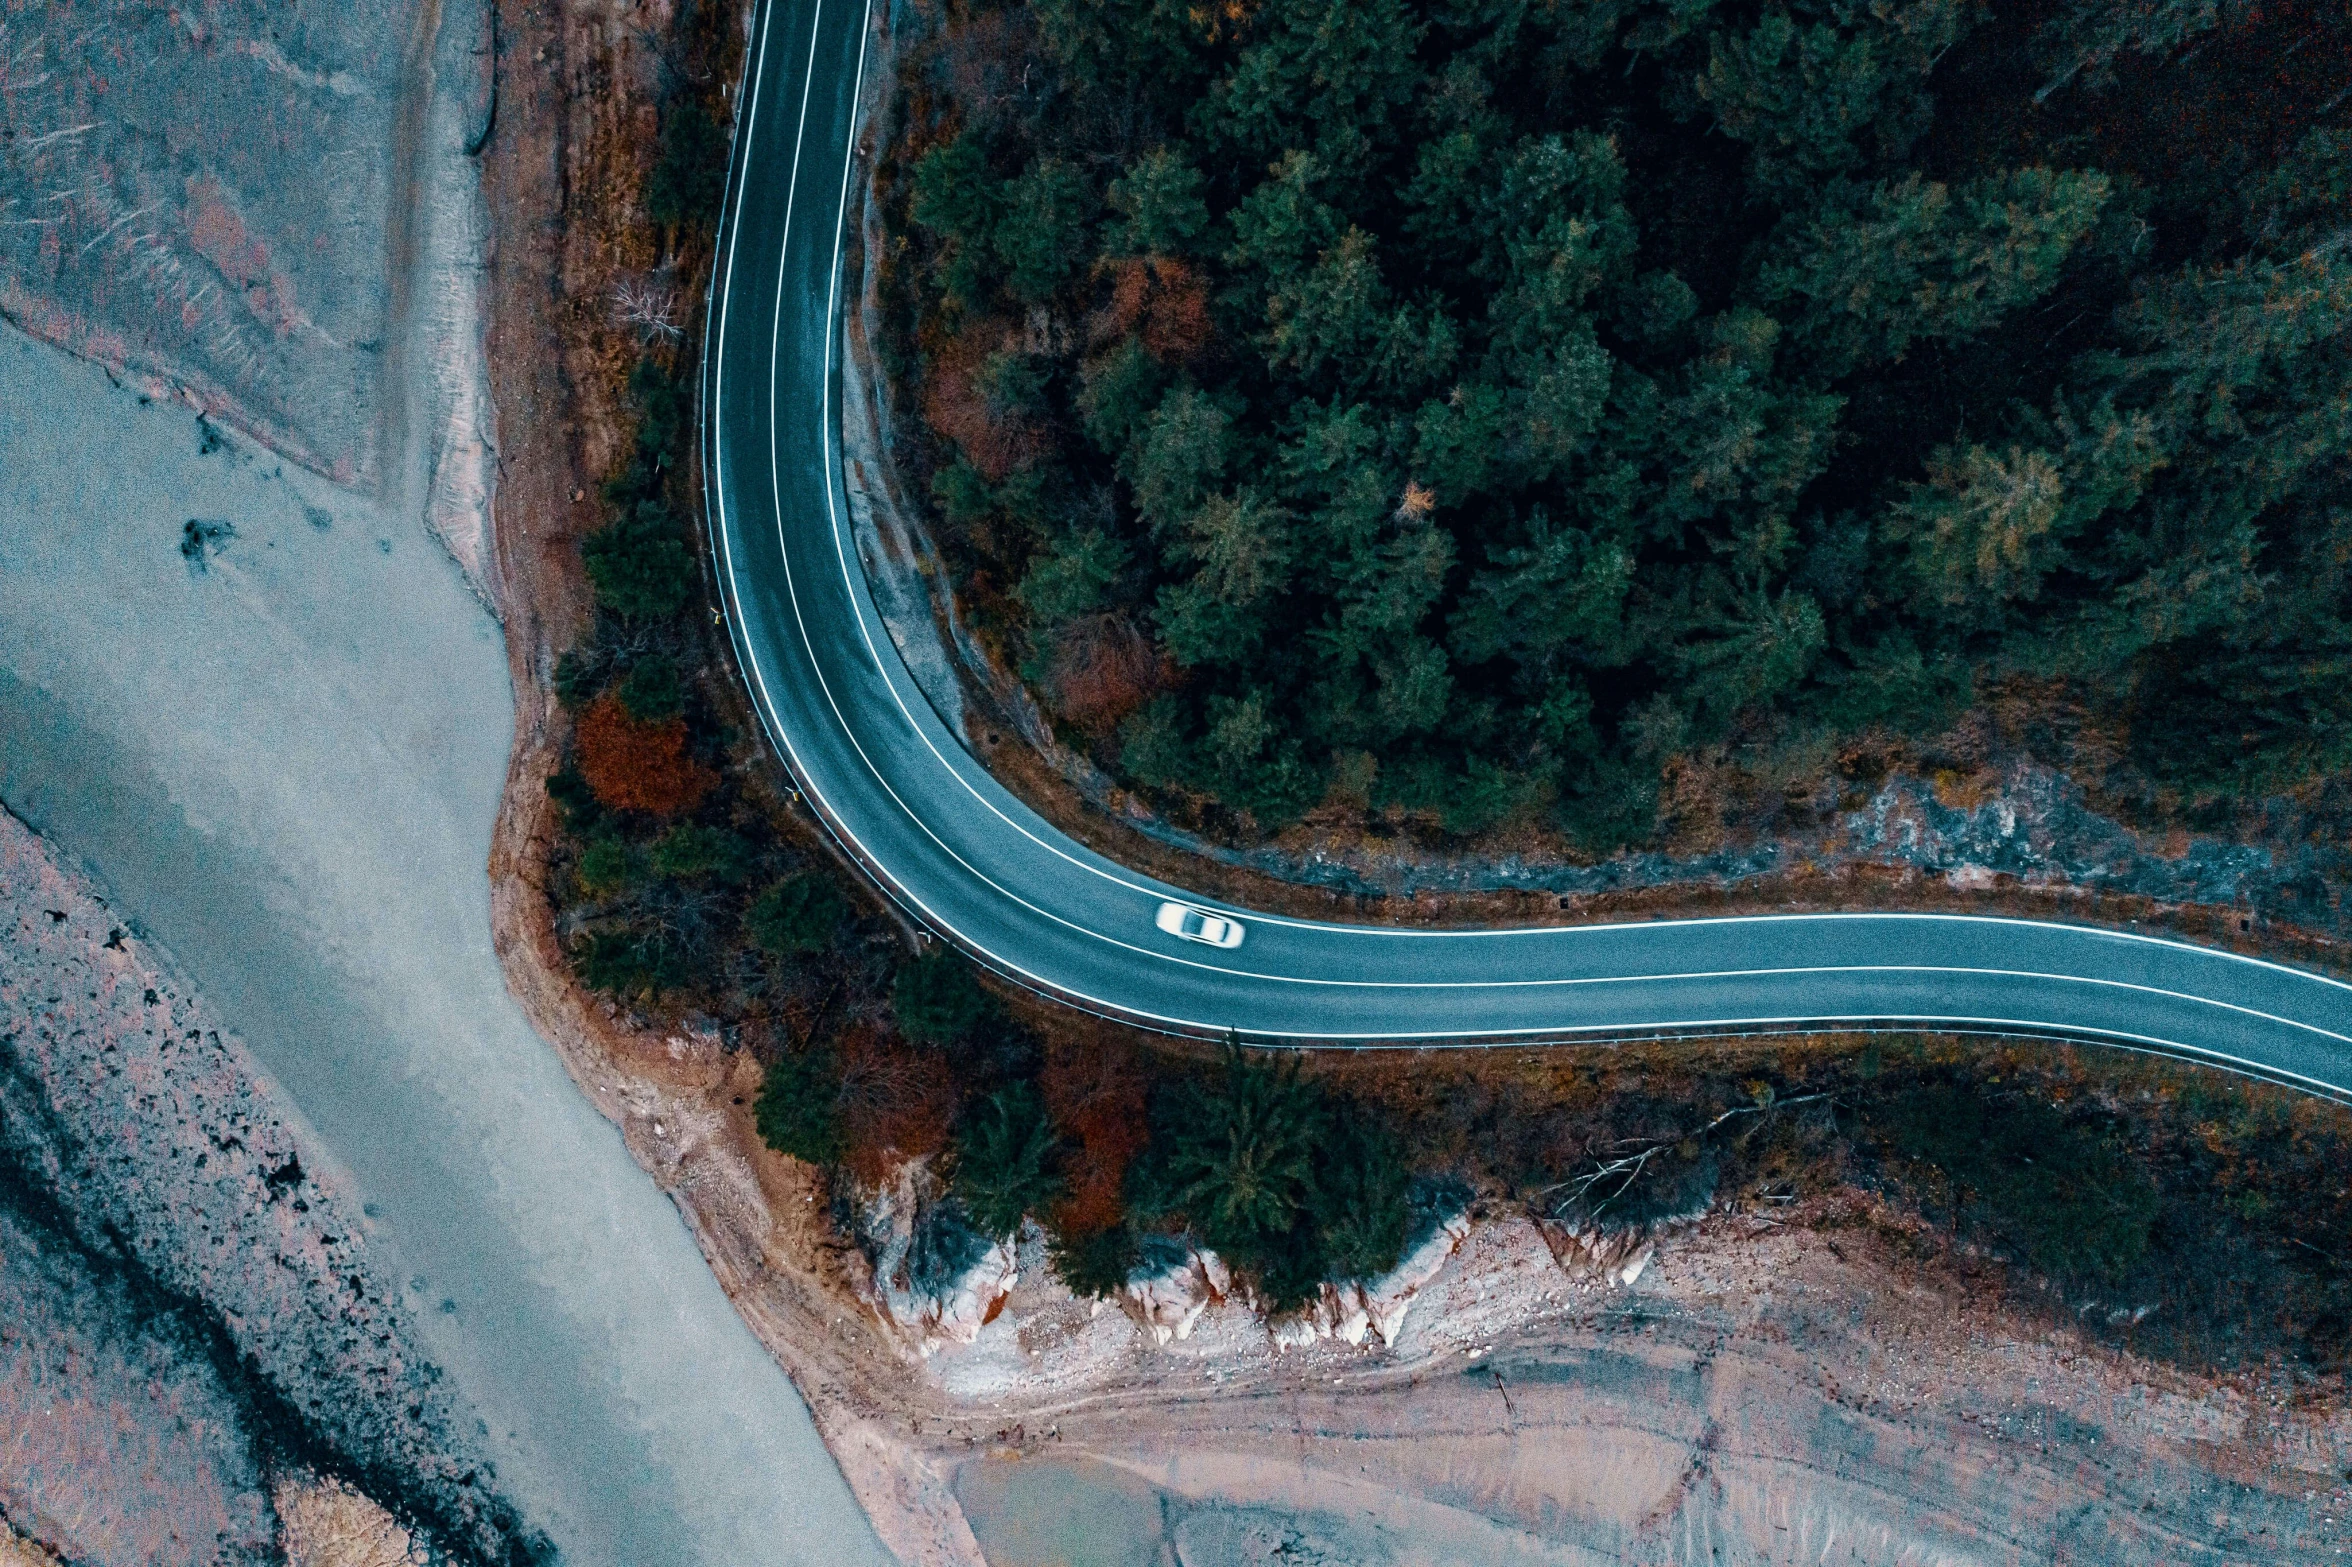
(1239, 1151)
(798, 1109)
(1360, 1207)
(1915, 259)
(1823, 88)
(1042, 227)
(1178, 457)
(800, 914)
(1073, 576)
(937, 998)
(1004, 1160)
(2082, 42)
(1327, 75)
(1159, 197)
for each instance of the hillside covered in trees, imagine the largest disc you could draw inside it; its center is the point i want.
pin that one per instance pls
(685, 887)
(1470, 409)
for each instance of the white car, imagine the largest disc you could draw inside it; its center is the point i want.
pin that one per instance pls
(1210, 930)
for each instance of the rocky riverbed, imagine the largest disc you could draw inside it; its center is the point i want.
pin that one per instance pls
(194, 1312)
(243, 684)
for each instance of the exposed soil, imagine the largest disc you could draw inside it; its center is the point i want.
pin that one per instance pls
(1765, 1391)
(16, 1551)
(167, 216)
(328, 1524)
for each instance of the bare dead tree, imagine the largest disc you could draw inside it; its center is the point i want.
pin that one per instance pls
(1627, 1168)
(649, 307)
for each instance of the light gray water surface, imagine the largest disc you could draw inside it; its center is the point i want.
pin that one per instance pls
(284, 762)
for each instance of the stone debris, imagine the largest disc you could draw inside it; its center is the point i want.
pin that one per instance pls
(17, 1551)
(328, 1524)
(1167, 1295)
(161, 1141)
(1350, 1311)
(1588, 1251)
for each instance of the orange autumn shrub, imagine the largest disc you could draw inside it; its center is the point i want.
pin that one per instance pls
(897, 1102)
(634, 766)
(955, 405)
(1163, 301)
(1104, 669)
(1094, 1090)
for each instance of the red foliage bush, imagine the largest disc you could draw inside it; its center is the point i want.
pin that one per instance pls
(955, 405)
(897, 1102)
(1094, 1090)
(632, 766)
(1166, 300)
(1103, 669)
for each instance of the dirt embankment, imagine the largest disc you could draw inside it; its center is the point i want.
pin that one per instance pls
(575, 139)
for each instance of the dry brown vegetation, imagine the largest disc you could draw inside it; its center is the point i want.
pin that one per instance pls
(16, 1551)
(1096, 1092)
(897, 1102)
(1163, 301)
(1103, 669)
(636, 766)
(956, 402)
(328, 1524)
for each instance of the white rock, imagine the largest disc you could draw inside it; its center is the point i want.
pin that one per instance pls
(951, 1313)
(1169, 1302)
(1357, 1321)
(1386, 1298)
(1295, 1332)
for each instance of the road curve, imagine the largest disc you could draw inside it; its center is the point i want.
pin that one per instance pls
(967, 860)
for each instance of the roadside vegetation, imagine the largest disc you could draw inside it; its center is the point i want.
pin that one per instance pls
(2187, 1215)
(2190, 1216)
(1595, 415)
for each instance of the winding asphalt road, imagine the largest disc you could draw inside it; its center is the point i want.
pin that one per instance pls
(967, 860)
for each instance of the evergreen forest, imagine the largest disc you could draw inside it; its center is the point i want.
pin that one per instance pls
(1468, 409)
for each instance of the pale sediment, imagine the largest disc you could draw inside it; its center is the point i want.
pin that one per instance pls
(272, 217)
(328, 1524)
